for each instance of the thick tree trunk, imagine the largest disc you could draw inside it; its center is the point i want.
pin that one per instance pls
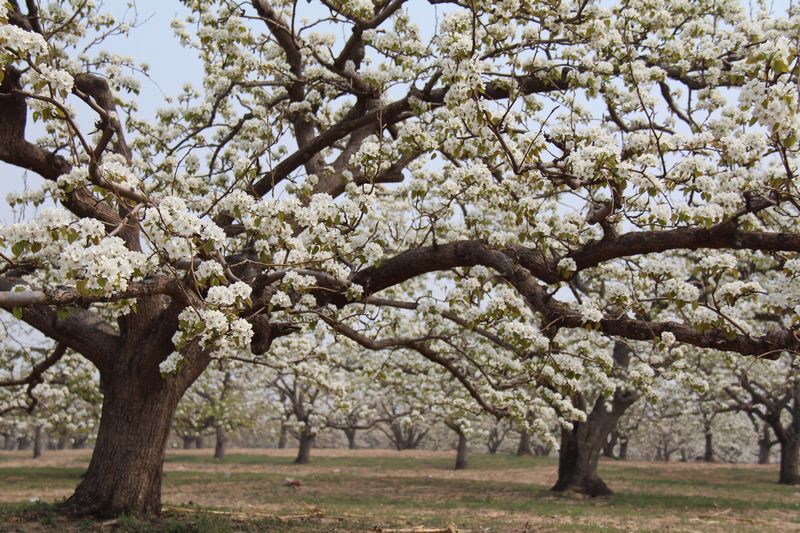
(124, 475)
(219, 443)
(708, 456)
(38, 442)
(790, 448)
(304, 450)
(199, 443)
(581, 447)
(524, 447)
(188, 442)
(461, 452)
(351, 438)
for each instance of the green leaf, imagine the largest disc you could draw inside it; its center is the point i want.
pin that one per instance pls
(17, 312)
(779, 65)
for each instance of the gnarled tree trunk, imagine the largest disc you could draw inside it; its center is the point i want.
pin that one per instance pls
(581, 447)
(125, 471)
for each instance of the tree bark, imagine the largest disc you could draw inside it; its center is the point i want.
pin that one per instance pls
(581, 447)
(304, 450)
(79, 443)
(461, 451)
(198, 442)
(282, 436)
(610, 444)
(790, 448)
(38, 442)
(765, 444)
(623, 449)
(62, 442)
(219, 442)
(23, 443)
(188, 442)
(351, 438)
(124, 475)
(708, 456)
(524, 447)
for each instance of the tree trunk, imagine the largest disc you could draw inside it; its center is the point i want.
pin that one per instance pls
(282, 436)
(219, 443)
(790, 448)
(79, 443)
(62, 442)
(304, 450)
(765, 444)
(198, 442)
(23, 443)
(708, 456)
(524, 447)
(187, 442)
(623, 449)
(124, 475)
(610, 444)
(581, 446)
(351, 438)
(37, 442)
(461, 451)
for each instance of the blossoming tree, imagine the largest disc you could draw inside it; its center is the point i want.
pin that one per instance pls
(341, 161)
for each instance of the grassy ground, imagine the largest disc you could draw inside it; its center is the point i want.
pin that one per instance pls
(369, 490)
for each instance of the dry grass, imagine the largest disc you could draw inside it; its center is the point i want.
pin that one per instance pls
(360, 490)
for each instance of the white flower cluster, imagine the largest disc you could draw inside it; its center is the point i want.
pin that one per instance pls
(103, 268)
(235, 295)
(173, 228)
(217, 331)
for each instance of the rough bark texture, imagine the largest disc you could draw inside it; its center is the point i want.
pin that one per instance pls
(304, 450)
(125, 471)
(581, 447)
(524, 447)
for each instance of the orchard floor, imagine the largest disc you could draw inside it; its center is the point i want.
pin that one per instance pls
(381, 490)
